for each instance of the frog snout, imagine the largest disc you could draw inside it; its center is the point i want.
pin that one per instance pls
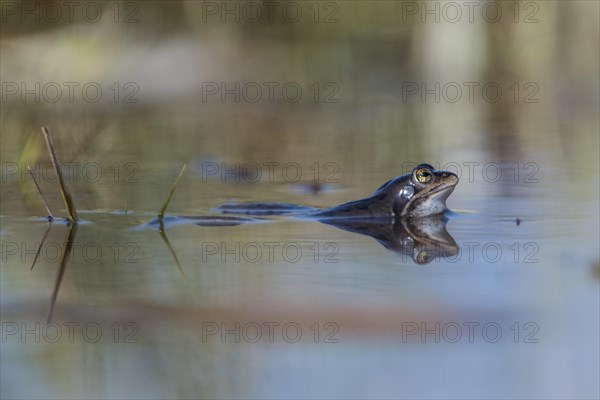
(450, 176)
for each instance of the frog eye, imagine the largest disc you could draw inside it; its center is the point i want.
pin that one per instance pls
(423, 175)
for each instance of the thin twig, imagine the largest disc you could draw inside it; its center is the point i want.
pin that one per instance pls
(50, 216)
(161, 213)
(72, 212)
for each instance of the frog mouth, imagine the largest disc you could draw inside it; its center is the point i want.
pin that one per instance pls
(430, 203)
(446, 187)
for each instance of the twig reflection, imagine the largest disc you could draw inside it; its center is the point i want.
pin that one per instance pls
(67, 248)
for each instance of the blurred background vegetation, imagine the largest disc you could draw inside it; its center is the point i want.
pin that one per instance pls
(368, 52)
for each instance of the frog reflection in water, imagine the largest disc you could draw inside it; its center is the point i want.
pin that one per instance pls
(405, 214)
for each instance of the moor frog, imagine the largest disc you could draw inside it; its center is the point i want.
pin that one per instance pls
(421, 193)
(405, 214)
